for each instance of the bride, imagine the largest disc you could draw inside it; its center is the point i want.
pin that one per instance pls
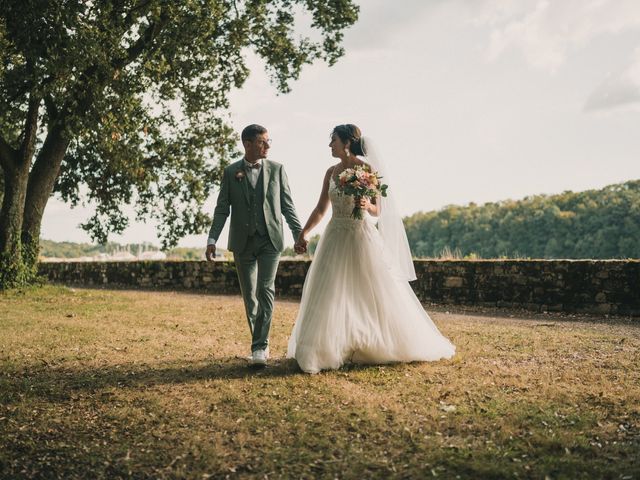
(357, 305)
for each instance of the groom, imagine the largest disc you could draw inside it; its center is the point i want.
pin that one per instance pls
(256, 193)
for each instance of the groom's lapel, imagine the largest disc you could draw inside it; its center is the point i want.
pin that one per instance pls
(245, 179)
(266, 173)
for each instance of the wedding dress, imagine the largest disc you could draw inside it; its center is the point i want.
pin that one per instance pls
(355, 307)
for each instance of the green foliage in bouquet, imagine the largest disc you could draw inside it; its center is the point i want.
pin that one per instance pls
(361, 182)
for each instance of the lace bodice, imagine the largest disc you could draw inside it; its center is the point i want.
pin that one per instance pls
(341, 205)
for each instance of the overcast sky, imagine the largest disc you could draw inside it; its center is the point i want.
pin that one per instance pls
(468, 100)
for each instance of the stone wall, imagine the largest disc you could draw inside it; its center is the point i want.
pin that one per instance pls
(580, 286)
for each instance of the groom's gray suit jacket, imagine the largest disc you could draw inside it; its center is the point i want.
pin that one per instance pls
(254, 209)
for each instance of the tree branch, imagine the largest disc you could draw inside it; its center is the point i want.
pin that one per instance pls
(42, 178)
(27, 148)
(7, 155)
(51, 107)
(128, 20)
(20, 92)
(144, 40)
(28, 86)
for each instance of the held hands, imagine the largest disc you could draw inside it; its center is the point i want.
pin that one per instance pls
(210, 253)
(301, 245)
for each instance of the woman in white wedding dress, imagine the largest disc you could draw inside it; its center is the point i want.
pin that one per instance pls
(357, 305)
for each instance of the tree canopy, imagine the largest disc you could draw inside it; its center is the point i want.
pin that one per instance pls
(126, 101)
(601, 223)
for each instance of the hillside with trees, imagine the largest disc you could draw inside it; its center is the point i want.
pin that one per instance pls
(591, 224)
(595, 224)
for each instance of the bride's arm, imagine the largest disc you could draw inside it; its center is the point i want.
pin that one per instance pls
(321, 207)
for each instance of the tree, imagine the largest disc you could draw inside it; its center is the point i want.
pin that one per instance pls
(124, 102)
(601, 223)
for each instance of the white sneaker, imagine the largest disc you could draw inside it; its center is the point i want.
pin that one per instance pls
(259, 357)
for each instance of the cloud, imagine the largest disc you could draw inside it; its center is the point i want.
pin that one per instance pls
(547, 32)
(622, 89)
(541, 47)
(381, 21)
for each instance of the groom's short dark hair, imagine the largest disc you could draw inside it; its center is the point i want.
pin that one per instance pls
(252, 131)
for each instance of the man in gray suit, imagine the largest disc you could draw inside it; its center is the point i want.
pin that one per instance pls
(256, 193)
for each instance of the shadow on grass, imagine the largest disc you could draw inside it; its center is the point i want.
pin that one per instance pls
(469, 310)
(53, 383)
(191, 291)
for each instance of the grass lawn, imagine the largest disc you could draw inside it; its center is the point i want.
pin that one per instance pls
(118, 384)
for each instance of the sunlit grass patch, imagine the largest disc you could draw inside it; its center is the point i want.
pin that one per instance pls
(111, 384)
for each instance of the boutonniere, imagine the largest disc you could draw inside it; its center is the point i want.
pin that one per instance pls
(240, 175)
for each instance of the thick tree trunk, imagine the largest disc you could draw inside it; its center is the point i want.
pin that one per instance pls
(15, 166)
(41, 181)
(12, 268)
(11, 215)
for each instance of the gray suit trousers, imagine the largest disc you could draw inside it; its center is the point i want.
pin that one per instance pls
(257, 266)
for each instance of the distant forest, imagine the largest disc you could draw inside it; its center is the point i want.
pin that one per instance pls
(49, 249)
(591, 224)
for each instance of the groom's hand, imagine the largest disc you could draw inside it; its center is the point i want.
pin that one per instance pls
(301, 245)
(210, 253)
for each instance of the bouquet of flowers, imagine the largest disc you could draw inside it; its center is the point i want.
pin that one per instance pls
(360, 182)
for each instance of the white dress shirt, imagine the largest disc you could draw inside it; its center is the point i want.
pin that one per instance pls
(253, 173)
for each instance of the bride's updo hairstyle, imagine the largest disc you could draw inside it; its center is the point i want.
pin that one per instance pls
(350, 133)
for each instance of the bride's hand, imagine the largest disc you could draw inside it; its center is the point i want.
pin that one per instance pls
(364, 203)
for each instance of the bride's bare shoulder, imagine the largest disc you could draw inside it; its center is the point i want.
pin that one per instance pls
(331, 169)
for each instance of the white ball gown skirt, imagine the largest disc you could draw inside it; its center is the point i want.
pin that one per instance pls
(353, 309)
